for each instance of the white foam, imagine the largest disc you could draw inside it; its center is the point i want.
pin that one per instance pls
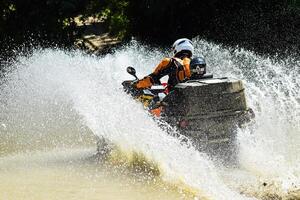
(53, 88)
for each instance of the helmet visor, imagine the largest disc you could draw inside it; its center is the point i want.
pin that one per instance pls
(198, 69)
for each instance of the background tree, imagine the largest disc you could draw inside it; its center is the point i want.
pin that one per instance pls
(266, 26)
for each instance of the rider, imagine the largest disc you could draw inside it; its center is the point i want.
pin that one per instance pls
(177, 67)
(197, 68)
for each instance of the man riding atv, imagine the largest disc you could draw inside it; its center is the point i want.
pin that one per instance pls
(179, 68)
(205, 109)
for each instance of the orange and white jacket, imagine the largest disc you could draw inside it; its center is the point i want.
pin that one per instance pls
(177, 69)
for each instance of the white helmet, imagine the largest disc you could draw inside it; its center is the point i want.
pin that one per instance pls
(183, 45)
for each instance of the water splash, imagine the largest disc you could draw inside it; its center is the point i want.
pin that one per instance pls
(269, 149)
(53, 89)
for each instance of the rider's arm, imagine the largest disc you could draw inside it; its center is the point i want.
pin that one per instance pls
(160, 71)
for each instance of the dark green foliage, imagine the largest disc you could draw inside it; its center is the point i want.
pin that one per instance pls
(294, 3)
(52, 21)
(267, 26)
(46, 21)
(168, 20)
(44, 18)
(116, 16)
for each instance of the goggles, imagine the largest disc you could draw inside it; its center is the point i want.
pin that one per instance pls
(198, 69)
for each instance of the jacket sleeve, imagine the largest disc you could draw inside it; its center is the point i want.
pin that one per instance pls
(186, 65)
(154, 77)
(162, 67)
(146, 82)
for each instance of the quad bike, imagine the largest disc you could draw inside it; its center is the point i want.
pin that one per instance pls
(207, 110)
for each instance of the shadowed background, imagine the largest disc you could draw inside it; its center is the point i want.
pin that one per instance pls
(265, 26)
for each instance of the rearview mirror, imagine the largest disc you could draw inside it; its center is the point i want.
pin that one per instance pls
(131, 71)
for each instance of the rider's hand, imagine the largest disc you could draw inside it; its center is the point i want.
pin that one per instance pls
(133, 83)
(144, 83)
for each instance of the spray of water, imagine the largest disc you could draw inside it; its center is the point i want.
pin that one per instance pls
(269, 148)
(53, 89)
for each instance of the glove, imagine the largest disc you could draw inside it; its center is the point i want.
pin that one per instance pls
(144, 83)
(134, 83)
